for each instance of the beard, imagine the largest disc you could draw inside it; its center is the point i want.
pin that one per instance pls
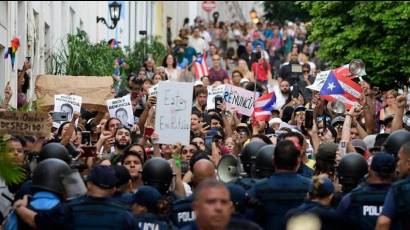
(120, 146)
(285, 93)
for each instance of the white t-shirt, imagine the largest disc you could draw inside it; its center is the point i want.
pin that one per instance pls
(172, 75)
(199, 44)
(280, 98)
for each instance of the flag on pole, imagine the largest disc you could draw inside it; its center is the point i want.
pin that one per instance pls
(201, 68)
(264, 106)
(340, 87)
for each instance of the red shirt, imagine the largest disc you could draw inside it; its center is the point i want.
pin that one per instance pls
(260, 71)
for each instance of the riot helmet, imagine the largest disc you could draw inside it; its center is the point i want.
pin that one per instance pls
(395, 140)
(54, 150)
(49, 174)
(351, 169)
(264, 161)
(248, 155)
(157, 172)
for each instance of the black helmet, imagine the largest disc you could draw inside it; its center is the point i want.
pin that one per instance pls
(49, 174)
(395, 140)
(351, 170)
(248, 155)
(157, 172)
(264, 161)
(54, 150)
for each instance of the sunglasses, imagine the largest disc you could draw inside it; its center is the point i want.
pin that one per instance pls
(300, 113)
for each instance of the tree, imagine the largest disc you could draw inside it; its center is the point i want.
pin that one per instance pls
(376, 32)
(280, 11)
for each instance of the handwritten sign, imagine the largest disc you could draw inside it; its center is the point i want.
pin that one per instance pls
(213, 91)
(241, 99)
(25, 123)
(319, 81)
(68, 104)
(121, 108)
(173, 113)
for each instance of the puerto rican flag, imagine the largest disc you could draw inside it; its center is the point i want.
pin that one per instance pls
(263, 107)
(339, 86)
(201, 68)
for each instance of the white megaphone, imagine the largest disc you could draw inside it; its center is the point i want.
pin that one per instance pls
(229, 168)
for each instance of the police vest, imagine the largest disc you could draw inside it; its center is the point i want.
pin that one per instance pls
(275, 202)
(182, 213)
(401, 191)
(149, 221)
(246, 183)
(86, 213)
(366, 206)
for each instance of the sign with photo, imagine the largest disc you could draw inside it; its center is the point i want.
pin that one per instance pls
(121, 108)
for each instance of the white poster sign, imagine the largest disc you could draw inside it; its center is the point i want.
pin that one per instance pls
(66, 104)
(173, 112)
(121, 108)
(241, 99)
(319, 81)
(212, 92)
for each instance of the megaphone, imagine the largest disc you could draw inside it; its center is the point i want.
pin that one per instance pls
(229, 168)
(338, 107)
(357, 68)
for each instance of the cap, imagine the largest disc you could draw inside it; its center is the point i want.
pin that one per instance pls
(243, 80)
(275, 120)
(370, 141)
(321, 186)
(359, 144)
(122, 174)
(147, 196)
(103, 176)
(327, 151)
(299, 108)
(242, 126)
(239, 196)
(383, 162)
(338, 119)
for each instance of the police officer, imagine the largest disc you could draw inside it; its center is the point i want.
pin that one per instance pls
(320, 196)
(264, 162)
(157, 172)
(364, 204)
(247, 157)
(395, 140)
(148, 208)
(350, 172)
(282, 191)
(397, 203)
(47, 187)
(182, 213)
(96, 210)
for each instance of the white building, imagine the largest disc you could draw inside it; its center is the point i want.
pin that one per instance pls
(42, 25)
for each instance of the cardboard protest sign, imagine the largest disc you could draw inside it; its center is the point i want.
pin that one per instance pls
(121, 108)
(241, 99)
(25, 123)
(213, 91)
(173, 112)
(93, 90)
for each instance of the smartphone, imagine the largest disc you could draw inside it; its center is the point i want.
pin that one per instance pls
(218, 101)
(59, 116)
(89, 151)
(309, 119)
(86, 138)
(148, 131)
(295, 91)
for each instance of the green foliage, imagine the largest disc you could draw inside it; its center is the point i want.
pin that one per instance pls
(376, 32)
(145, 47)
(9, 171)
(77, 56)
(280, 11)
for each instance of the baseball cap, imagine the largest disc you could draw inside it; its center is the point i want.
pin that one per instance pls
(370, 141)
(359, 144)
(242, 126)
(147, 196)
(103, 176)
(383, 162)
(239, 196)
(338, 119)
(321, 186)
(327, 151)
(198, 83)
(122, 174)
(299, 108)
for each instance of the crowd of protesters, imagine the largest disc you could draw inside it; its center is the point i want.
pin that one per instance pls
(348, 170)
